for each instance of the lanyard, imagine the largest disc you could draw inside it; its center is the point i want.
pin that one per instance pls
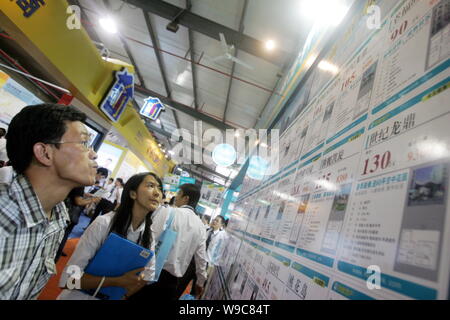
(140, 237)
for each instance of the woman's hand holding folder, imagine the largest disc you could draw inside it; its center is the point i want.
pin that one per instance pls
(131, 281)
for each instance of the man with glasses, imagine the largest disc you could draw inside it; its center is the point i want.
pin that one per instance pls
(48, 146)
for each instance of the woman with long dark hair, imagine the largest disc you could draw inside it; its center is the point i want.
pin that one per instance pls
(141, 196)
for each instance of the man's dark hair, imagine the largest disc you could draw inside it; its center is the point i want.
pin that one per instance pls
(120, 181)
(39, 123)
(2, 132)
(222, 218)
(102, 171)
(193, 192)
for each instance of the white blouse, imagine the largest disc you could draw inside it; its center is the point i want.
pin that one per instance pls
(115, 195)
(91, 240)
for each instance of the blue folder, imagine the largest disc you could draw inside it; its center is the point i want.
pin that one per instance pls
(116, 257)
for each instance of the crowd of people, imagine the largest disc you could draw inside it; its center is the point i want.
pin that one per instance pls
(51, 177)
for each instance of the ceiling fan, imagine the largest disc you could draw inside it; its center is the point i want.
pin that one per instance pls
(229, 53)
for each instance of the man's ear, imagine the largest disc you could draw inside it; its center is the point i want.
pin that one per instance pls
(43, 154)
(133, 195)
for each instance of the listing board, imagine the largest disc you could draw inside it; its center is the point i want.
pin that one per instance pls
(360, 206)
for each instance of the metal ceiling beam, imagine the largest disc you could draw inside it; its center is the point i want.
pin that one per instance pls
(266, 104)
(168, 140)
(185, 109)
(94, 36)
(193, 67)
(329, 41)
(176, 118)
(157, 130)
(211, 29)
(285, 69)
(193, 146)
(91, 31)
(157, 53)
(127, 49)
(200, 166)
(241, 30)
(162, 68)
(168, 135)
(199, 175)
(160, 62)
(227, 101)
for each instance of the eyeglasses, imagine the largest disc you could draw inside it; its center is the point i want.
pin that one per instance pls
(85, 144)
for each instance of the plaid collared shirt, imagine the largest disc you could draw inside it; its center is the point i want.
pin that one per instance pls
(28, 240)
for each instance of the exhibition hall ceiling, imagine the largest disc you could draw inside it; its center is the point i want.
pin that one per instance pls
(185, 69)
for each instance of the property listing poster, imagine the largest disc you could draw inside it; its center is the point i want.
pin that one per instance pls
(14, 98)
(360, 207)
(215, 287)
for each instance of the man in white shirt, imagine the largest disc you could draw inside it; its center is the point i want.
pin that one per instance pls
(216, 238)
(190, 243)
(205, 220)
(109, 185)
(6, 175)
(110, 201)
(3, 153)
(216, 241)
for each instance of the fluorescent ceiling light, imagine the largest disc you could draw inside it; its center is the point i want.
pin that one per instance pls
(324, 12)
(270, 45)
(183, 78)
(310, 61)
(108, 24)
(327, 66)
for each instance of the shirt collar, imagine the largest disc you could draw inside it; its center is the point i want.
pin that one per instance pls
(188, 207)
(29, 204)
(141, 228)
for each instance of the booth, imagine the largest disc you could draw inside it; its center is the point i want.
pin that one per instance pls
(73, 62)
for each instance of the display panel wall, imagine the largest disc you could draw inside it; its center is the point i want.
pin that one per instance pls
(363, 189)
(14, 97)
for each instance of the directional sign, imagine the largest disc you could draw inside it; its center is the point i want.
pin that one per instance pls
(152, 108)
(119, 95)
